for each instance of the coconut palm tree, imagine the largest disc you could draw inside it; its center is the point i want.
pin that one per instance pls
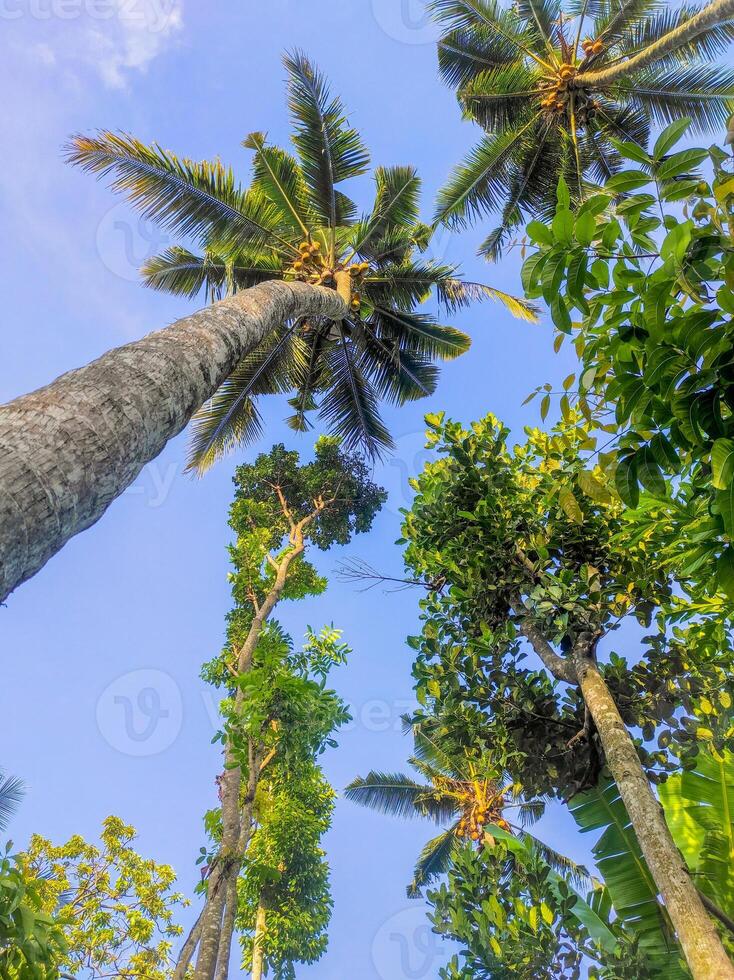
(465, 793)
(555, 84)
(294, 224)
(337, 322)
(11, 793)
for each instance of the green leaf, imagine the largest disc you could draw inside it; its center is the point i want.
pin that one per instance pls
(540, 233)
(725, 572)
(725, 501)
(649, 473)
(562, 193)
(570, 505)
(593, 488)
(585, 228)
(625, 480)
(680, 163)
(722, 463)
(670, 136)
(627, 180)
(562, 226)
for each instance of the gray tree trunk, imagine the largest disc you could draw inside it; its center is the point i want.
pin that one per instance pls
(69, 449)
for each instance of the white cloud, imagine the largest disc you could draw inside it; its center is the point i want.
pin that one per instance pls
(114, 38)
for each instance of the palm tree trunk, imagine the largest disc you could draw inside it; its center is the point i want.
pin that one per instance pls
(714, 13)
(697, 935)
(69, 449)
(258, 947)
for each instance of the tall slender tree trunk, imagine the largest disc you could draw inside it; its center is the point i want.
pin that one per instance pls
(69, 449)
(258, 947)
(700, 942)
(714, 13)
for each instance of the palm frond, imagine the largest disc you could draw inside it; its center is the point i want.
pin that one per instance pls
(12, 792)
(434, 860)
(398, 375)
(497, 23)
(185, 197)
(307, 372)
(577, 874)
(230, 418)
(703, 92)
(503, 96)
(421, 333)
(395, 208)
(465, 53)
(394, 794)
(349, 405)
(542, 15)
(277, 174)
(458, 293)
(709, 43)
(179, 271)
(478, 185)
(620, 15)
(330, 150)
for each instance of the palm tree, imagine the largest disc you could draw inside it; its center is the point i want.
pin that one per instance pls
(319, 302)
(554, 86)
(464, 793)
(11, 793)
(295, 224)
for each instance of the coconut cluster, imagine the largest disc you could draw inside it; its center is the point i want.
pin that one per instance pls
(311, 266)
(475, 819)
(558, 93)
(592, 46)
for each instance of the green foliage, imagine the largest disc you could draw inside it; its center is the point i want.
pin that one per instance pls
(529, 77)
(286, 870)
(295, 223)
(31, 945)
(699, 808)
(650, 275)
(112, 910)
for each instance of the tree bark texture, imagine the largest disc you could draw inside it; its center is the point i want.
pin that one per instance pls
(700, 942)
(69, 449)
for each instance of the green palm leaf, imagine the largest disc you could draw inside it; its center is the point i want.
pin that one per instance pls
(12, 792)
(478, 185)
(421, 333)
(349, 405)
(703, 92)
(397, 795)
(330, 150)
(501, 97)
(459, 293)
(187, 198)
(465, 53)
(395, 208)
(709, 43)
(434, 860)
(278, 175)
(230, 418)
(179, 271)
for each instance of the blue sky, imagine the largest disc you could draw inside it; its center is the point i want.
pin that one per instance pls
(135, 604)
